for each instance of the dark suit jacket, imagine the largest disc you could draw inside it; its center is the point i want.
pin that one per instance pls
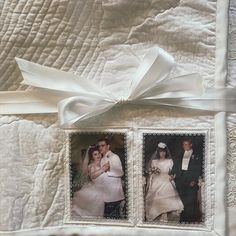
(184, 178)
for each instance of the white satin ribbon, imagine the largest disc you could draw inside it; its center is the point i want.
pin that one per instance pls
(77, 99)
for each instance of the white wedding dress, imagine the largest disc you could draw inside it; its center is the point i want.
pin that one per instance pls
(161, 196)
(88, 201)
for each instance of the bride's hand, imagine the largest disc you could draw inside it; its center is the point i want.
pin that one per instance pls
(172, 177)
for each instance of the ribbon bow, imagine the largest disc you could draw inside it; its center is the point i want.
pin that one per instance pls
(77, 99)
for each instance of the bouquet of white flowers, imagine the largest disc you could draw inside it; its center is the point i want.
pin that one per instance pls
(154, 170)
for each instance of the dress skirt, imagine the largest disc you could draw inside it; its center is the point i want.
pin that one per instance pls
(161, 197)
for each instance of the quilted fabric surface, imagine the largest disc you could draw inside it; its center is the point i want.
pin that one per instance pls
(101, 40)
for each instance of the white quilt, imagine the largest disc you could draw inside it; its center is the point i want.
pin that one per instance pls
(101, 40)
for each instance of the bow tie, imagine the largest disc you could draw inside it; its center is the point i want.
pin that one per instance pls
(76, 98)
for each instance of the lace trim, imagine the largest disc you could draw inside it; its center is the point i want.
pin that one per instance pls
(231, 168)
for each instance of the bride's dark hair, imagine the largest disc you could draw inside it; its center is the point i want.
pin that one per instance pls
(166, 150)
(88, 158)
(156, 155)
(91, 150)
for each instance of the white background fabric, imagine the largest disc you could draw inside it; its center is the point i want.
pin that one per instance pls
(98, 40)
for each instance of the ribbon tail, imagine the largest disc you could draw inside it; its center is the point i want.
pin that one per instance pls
(76, 109)
(29, 102)
(215, 99)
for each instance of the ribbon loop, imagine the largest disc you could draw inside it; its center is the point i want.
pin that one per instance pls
(155, 67)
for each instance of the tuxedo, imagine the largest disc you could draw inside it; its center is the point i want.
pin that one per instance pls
(113, 192)
(187, 170)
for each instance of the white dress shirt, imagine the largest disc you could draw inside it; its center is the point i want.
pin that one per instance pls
(186, 159)
(113, 190)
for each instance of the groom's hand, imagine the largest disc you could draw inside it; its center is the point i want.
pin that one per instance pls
(106, 167)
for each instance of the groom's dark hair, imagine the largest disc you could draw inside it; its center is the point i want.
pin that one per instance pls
(187, 139)
(106, 140)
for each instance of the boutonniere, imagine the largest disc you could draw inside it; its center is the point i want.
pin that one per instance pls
(194, 158)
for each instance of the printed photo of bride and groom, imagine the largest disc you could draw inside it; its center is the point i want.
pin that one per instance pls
(98, 176)
(174, 178)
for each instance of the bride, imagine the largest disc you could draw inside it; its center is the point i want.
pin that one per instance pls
(162, 200)
(88, 201)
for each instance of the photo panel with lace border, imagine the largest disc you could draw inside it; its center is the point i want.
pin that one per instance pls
(98, 190)
(173, 170)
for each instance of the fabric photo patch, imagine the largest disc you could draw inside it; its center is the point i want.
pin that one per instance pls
(98, 176)
(174, 174)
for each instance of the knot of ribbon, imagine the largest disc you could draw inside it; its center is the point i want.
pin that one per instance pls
(122, 100)
(76, 99)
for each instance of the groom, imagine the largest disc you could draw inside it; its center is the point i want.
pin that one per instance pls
(113, 192)
(186, 172)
